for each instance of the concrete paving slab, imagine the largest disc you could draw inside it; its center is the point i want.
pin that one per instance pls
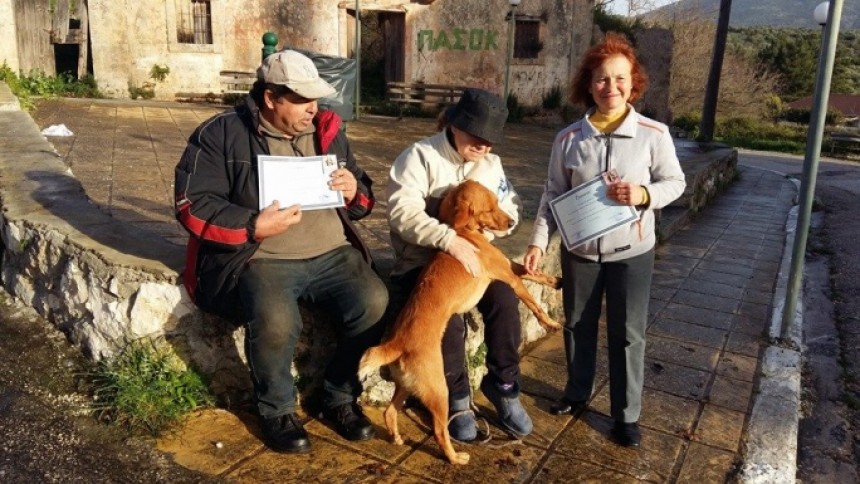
(711, 287)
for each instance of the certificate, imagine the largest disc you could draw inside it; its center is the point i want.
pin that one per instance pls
(587, 212)
(302, 180)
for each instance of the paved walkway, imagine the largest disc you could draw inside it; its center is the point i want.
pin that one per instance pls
(711, 302)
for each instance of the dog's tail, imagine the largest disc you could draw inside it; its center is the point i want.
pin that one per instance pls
(376, 357)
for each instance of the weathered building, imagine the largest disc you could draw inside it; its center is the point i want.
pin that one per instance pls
(458, 42)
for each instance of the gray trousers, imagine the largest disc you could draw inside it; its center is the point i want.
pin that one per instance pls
(627, 286)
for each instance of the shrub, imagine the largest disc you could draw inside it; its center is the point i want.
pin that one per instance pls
(553, 98)
(147, 388)
(37, 83)
(803, 115)
(515, 111)
(689, 123)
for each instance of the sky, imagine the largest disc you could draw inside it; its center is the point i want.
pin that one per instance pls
(619, 7)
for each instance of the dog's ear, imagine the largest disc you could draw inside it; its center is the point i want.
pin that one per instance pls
(448, 208)
(463, 213)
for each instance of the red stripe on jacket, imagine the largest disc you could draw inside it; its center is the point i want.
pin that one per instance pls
(189, 275)
(207, 231)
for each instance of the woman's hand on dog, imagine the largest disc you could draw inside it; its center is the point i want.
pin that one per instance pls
(463, 250)
(531, 261)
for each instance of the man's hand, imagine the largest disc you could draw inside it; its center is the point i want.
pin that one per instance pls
(273, 221)
(463, 250)
(532, 259)
(343, 180)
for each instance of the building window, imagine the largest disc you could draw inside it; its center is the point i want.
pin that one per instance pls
(527, 43)
(194, 24)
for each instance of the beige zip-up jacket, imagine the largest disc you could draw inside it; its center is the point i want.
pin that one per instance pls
(417, 181)
(641, 151)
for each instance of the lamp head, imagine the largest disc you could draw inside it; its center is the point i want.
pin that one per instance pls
(821, 12)
(514, 3)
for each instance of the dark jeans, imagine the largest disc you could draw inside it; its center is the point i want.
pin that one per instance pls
(338, 282)
(502, 334)
(627, 285)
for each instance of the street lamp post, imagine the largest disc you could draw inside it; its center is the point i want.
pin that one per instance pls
(829, 15)
(510, 54)
(357, 59)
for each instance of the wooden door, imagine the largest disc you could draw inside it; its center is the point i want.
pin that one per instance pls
(393, 28)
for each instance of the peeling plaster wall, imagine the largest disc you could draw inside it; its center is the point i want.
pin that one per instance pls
(8, 32)
(566, 27)
(130, 37)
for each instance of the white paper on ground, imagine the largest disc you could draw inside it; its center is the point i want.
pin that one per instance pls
(57, 130)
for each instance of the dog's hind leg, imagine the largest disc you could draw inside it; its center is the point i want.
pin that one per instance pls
(396, 405)
(433, 392)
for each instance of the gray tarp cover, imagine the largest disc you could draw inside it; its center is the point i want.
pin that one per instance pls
(340, 73)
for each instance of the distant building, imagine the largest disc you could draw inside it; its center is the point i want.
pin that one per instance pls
(847, 104)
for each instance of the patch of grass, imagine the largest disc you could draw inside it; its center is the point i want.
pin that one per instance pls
(147, 388)
(478, 358)
(750, 133)
(37, 83)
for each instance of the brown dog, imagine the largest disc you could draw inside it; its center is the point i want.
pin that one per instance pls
(445, 288)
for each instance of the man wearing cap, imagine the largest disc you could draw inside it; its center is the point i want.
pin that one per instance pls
(418, 179)
(257, 265)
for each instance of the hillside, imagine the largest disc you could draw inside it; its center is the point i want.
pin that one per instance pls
(769, 13)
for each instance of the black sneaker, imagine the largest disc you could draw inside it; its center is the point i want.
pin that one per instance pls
(567, 406)
(349, 421)
(626, 434)
(285, 433)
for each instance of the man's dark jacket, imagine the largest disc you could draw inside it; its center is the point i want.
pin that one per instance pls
(217, 200)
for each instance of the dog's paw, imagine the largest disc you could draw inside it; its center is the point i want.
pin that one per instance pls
(397, 439)
(550, 325)
(460, 458)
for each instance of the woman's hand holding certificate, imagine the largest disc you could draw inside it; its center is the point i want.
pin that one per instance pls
(587, 211)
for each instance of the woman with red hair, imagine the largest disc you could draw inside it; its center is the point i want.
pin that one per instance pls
(611, 138)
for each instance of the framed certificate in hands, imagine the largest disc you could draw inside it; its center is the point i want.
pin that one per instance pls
(302, 180)
(586, 212)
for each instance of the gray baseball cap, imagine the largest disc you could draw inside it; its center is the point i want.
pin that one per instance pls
(297, 72)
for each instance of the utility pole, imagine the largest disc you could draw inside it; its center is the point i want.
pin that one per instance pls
(712, 90)
(815, 133)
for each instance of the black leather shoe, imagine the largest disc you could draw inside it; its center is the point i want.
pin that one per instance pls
(627, 434)
(285, 433)
(564, 406)
(349, 421)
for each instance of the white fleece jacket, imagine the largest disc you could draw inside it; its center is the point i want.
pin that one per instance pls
(417, 181)
(641, 151)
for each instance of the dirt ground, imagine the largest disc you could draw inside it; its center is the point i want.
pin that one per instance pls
(47, 433)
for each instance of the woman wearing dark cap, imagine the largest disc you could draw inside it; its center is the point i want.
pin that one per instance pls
(418, 179)
(611, 137)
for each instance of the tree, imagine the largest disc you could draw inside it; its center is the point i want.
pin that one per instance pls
(712, 89)
(745, 86)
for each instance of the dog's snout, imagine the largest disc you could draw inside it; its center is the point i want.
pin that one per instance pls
(511, 223)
